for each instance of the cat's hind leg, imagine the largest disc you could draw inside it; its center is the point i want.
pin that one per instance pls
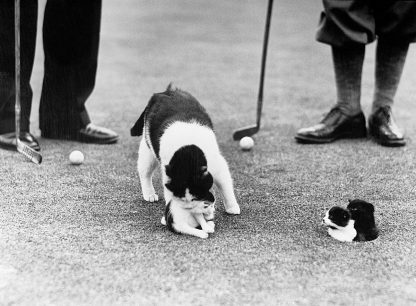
(146, 165)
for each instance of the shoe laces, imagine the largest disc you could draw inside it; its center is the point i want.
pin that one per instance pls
(332, 112)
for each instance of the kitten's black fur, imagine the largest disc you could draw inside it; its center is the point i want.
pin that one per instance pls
(363, 214)
(340, 216)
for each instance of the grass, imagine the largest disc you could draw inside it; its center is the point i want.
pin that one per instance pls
(83, 235)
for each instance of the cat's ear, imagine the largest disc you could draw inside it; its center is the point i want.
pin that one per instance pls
(168, 170)
(210, 197)
(207, 180)
(204, 171)
(371, 208)
(169, 186)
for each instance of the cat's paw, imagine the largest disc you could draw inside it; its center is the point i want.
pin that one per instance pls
(151, 197)
(202, 234)
(163, 220)
(210, 228)
(233, 210)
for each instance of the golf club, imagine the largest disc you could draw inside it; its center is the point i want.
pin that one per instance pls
(31, 154)
(253, 129)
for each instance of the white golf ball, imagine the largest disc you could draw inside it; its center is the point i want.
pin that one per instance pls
(246, 143)
(76, 157)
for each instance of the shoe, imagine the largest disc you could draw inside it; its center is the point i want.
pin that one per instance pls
(8, 141)
(383, 128)
(335, 125)
(96, 134)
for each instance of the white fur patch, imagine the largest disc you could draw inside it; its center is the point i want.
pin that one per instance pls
(345, 234)
(180, 134)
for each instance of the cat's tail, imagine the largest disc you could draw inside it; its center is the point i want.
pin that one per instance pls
(137, 129)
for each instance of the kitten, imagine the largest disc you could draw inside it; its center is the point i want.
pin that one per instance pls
(185, 220)
(356, 223)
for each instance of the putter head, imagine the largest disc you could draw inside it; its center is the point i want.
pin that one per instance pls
(245, 131)
(32, 155)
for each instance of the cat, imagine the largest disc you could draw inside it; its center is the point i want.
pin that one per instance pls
(178, 135)
(183, 220)
(355, 223)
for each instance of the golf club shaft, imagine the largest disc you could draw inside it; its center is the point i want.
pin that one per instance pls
(253, 129)
(263, 62)
(31, 154)
(17, 66)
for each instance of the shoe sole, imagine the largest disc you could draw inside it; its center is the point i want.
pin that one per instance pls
(9, 148)
(13, 148)
(83, 139)
(388, 143)
(307, 140)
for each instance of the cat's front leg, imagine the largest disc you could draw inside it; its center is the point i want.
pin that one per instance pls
(186, 229)
(206, 226)
(224, 182)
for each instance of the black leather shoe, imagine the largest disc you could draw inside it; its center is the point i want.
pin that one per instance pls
(96, 134)
(8, 141)
(382, 127)
(335, 125)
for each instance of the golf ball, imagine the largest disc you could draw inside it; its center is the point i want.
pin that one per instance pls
(246, 143)
(76, 157)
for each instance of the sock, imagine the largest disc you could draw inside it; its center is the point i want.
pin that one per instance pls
(348, 65)
(390, 60)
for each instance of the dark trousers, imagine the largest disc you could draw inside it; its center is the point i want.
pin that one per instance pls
(71, 31)
(345, 22)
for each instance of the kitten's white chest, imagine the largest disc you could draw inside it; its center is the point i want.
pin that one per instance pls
(183, 215)
(346, 234)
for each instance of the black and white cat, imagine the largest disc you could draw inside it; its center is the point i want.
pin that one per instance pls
(187, 220)
(178, 135)
(355, 223)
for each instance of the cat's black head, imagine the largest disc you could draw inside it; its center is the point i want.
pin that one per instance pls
(363, 214)
(189, 178)
(339, 216)
(360, 209)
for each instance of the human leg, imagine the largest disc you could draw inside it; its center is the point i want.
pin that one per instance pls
(347, 26)
(7, 71)
(71, 34)
(396, 28)
(390, 60)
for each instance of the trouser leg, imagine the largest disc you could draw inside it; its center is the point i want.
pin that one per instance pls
(29, 10)
(390, 60)
(71, 33)
(348, 66)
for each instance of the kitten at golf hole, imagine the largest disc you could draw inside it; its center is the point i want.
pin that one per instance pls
(354, 223)
(178, 136)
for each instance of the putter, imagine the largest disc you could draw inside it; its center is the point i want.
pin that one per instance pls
(253, 129)
(31, 154)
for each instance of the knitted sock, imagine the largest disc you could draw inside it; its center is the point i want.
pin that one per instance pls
(348, 65)
(390, 60)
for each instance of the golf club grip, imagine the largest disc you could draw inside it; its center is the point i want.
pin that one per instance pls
(17, 66)
(263, 61)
